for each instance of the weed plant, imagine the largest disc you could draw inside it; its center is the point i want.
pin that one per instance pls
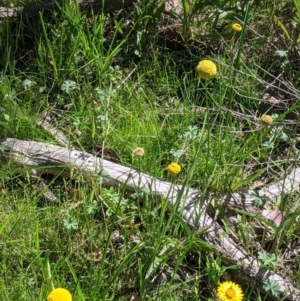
(111, 85)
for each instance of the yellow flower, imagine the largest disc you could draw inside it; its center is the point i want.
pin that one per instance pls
(206, 69)
(174, 168)
(236, 27)
(60, 294)
(139, 152)
(230, 291)
(266, 120)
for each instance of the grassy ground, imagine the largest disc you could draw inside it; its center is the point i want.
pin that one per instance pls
(111, 85)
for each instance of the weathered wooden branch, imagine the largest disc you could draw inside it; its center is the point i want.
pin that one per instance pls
(87, 6)
(188, 201)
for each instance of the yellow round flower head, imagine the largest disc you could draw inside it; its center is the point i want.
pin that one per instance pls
(206, 69)
(174, 169)
(139, 152)
(236, 27)
(230, 291)
(266, 120)
(60, 294)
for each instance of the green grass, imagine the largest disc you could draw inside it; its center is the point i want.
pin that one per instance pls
(112, 87)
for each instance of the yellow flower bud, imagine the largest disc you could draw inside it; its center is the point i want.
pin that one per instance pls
(266, 120)
(139, 152)
(60, 294)
(206, 69)
(236, 27)
(174, 169)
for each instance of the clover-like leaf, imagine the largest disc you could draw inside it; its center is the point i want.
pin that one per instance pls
(68, 86)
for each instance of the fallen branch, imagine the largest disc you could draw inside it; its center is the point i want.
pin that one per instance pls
(58, 160)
